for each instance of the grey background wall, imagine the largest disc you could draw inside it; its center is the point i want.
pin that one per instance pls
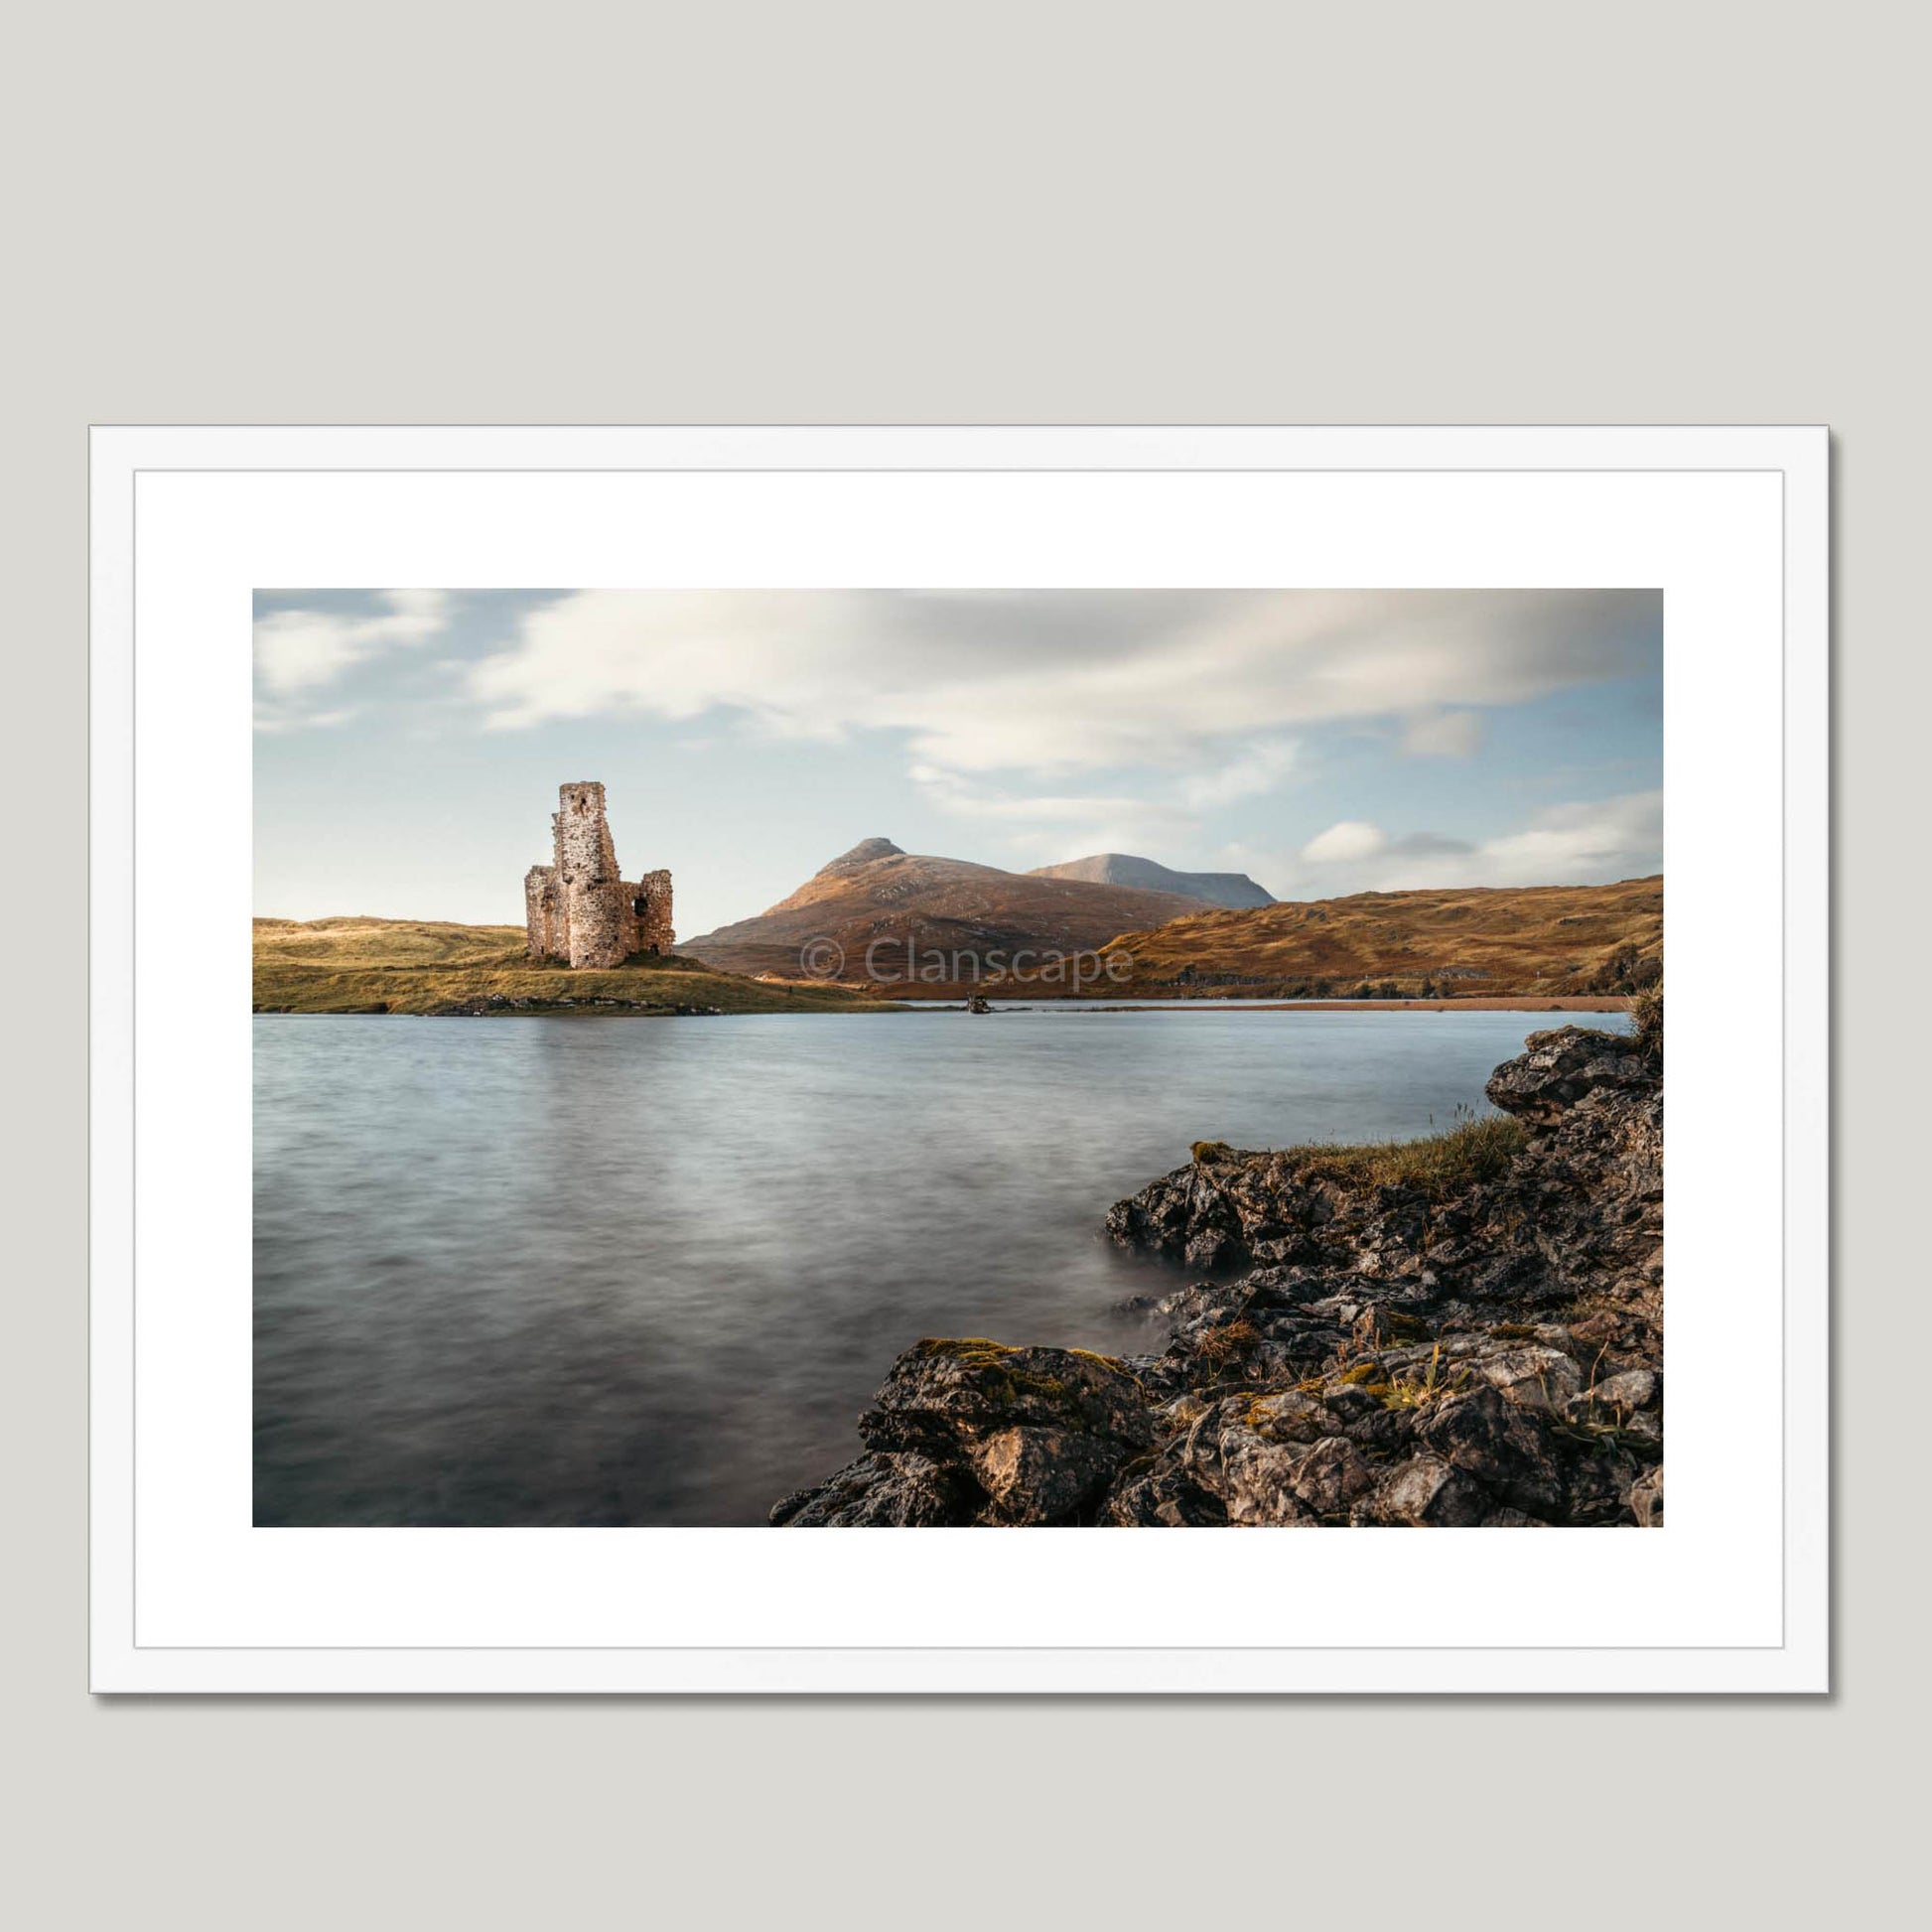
(884, 212)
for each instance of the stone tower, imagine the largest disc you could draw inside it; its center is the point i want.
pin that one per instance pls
(578, 909)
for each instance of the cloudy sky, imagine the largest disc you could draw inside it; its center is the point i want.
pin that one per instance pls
(409, 743)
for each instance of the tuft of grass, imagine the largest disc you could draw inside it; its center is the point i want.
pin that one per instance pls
(1419, 1391)
(1647, 1012)
(1224, 1344)
(1439, 1165)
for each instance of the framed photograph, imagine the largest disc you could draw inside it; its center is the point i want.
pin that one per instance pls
(655, 991)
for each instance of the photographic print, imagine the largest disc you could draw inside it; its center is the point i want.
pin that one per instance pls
(1112, 1058)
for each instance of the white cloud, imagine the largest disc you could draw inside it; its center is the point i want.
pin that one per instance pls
(1242, 775)
(1442, 735)
(1351, 839)
(299, 652)
(1061, 680)
(1167, 819)
(1619, 838)
(1575, 844)
(1049, 828)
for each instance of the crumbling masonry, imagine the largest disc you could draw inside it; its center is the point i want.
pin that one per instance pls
(577, 909)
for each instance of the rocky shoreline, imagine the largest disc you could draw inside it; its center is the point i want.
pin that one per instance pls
(1468, 1332)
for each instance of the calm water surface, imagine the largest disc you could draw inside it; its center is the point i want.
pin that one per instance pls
(649, 1270)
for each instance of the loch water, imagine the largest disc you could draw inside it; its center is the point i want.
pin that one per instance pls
(637, 1271)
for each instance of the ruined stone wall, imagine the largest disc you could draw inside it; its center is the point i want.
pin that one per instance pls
(587, 868)
(650, 903)
(543, 914)
(578, 908)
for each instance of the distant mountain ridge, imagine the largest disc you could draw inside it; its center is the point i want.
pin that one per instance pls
(1234, 890)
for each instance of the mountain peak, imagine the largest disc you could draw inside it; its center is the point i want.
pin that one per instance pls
(864, 852)
(1230, 888)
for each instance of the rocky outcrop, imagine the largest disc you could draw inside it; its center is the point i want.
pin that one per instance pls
(1003, 1435)
(1465, 1334)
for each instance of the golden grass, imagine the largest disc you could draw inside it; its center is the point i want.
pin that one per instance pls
(1220, 1347)
(1413, 1391)
(358, 965)
(1460, 943)
(357, 945)
(1437, 1166)
(1647, 1012)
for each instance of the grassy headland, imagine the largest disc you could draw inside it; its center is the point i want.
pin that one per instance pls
(1475, 1149)
(361, 965)
(1468, 945)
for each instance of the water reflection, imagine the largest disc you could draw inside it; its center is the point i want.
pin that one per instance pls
(647, 1272)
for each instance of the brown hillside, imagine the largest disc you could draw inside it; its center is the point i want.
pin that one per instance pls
(1460, 942)
(876, 892)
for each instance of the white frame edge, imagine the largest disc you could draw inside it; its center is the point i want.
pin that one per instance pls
(1800, 1665)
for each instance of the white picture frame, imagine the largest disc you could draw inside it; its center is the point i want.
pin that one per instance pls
(1731, 1594)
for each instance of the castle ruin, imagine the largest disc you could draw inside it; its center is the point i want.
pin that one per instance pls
(577, 909)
